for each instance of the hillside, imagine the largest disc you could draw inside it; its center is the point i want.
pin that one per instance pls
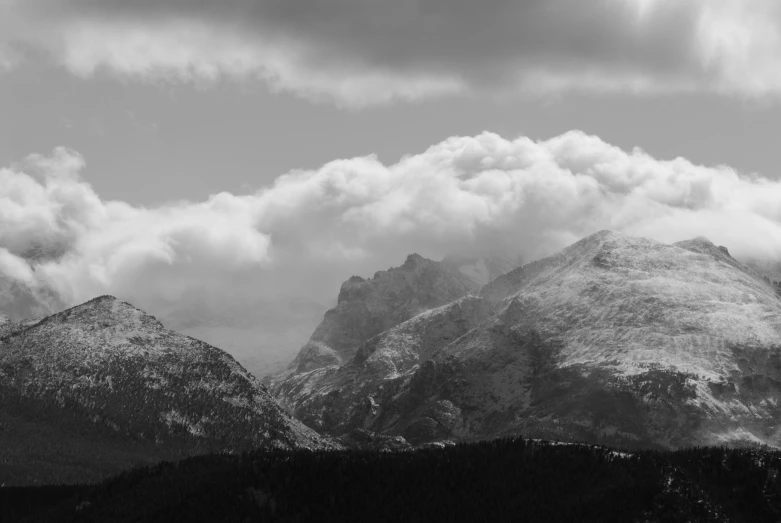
(336, 400)
(506, 480)
(102, 386)
(615, 339)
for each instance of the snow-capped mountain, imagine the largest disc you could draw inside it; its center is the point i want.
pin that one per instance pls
(366, 308)
(615, 339)
(121, 375)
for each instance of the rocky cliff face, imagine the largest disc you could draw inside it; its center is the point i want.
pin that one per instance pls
(613, 340)
(339, 399)
(115, 372)
(366, 308)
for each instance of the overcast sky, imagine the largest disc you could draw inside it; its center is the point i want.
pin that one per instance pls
(225, 165)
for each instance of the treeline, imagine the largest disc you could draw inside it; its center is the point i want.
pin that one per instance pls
(43, 443)
(502, 480)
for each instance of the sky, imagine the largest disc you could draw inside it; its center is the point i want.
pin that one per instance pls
(225, 166)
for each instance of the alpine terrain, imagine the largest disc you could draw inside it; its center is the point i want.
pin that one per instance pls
(613, 340)
(100, 387)
(366, 308)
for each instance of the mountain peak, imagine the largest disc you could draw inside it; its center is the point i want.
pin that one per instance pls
(703, 240)
(603, 235)
(106, 312)
(703, 245)
(366, 308)
(109, 304)
(413, 260)
(117, 371)
(600, 240)
(606, 233)
(102, 298)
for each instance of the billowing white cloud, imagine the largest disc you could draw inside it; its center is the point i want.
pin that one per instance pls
(361, 52)
(268, 264)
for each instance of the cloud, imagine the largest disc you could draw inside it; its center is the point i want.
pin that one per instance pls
(268, 264)
(9, 58)
(363, 52)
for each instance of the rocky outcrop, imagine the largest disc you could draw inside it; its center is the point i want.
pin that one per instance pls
(336, 400)
(366, 308)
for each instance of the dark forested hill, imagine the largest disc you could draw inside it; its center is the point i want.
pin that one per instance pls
(496, 481)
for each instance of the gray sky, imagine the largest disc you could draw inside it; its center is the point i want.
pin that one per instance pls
(146, 143)
(183, 152)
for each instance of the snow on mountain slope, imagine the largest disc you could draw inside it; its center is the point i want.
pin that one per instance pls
(112, 365)
(643, 302)
(614, 339)
(339, 399)
(366, 308)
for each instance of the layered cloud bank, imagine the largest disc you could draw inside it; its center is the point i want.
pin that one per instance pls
(359, 52)
(268, 264)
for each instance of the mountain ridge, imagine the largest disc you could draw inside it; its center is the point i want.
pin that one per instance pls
(367, 307)
(614, 338)
(121, 372)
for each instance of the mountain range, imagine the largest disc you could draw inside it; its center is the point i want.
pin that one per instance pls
(613, 340)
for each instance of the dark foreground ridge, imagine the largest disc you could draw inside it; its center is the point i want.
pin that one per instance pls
(500, 480)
